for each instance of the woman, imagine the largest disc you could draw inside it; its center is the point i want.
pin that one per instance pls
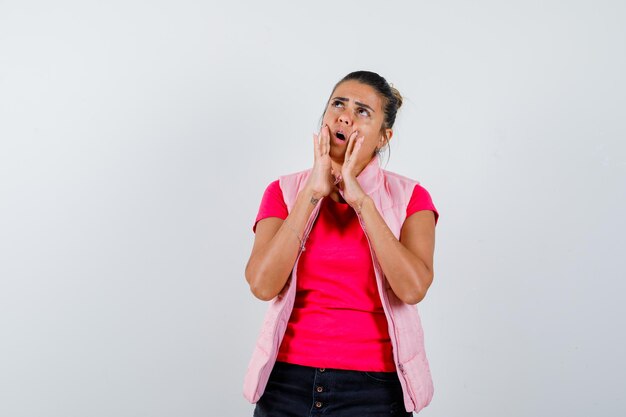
(344, 250)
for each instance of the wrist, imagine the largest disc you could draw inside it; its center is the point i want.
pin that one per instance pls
(311, 195)
(361, 203)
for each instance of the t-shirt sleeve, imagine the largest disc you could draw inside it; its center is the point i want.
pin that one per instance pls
(421, 200)
(272, 204)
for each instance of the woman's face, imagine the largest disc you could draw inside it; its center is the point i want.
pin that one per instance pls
(355, 106)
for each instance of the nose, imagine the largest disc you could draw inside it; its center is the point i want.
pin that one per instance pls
(345, 118)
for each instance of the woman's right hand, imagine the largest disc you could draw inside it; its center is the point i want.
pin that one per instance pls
(321, 180)
(278, 243)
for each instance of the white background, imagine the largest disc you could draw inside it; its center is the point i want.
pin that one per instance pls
(137, 137)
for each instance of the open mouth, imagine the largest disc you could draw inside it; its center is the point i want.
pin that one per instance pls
(340, 136)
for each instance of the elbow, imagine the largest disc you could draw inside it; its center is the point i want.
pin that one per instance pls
(261, 294)
(418, 292)
(260, 291)
(413, 298)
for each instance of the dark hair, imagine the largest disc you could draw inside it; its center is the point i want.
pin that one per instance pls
(392, 100)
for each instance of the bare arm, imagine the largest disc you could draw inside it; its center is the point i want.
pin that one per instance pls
(407, 263)
(276, 246)
(277, 242)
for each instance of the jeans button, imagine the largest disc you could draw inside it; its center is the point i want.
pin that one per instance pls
(319, 389)
(318, 404)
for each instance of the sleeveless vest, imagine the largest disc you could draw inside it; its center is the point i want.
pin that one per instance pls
(391, 194)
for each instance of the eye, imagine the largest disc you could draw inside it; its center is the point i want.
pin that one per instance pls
(336, 103)
(363, 112)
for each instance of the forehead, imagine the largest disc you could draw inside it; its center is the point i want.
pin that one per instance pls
(356, 91)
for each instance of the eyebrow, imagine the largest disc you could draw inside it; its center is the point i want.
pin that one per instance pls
(356, 102)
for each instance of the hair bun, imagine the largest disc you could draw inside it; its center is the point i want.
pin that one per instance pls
(396, 94)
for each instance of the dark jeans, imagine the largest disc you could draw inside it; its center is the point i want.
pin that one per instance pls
(302, 391)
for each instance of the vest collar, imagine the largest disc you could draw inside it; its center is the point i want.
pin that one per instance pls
(371, 177)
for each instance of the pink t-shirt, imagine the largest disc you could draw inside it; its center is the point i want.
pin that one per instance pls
(338, 319)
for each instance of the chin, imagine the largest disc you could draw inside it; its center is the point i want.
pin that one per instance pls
(337, 154)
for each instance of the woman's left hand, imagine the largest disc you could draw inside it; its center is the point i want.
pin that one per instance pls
(352, 191)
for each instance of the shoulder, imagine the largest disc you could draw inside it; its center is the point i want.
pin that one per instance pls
(394, 176)
(290, 184)
(417, 197)
(294, 176)
(272, 193)
(414, 186)
(421, 200)
(273, 187)
(399, 187)
(272, 204)
(420, 192)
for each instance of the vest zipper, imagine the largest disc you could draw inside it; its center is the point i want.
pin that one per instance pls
(276, 347)
(387, 307)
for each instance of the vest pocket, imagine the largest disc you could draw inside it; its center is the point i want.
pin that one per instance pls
(419, 380)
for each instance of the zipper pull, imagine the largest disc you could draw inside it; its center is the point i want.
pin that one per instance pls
(401, 369)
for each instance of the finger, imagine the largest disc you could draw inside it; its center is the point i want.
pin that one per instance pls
(326, 140)
(356, 147)
(316, 145)
(358, 143)
(349, 148)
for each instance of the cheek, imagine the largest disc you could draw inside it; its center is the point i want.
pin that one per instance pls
(327, 118)
(369, 144)
(371, 134)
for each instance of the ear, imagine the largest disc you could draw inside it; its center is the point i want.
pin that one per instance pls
(385, 138)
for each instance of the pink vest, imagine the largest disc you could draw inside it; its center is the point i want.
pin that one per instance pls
(391, 194)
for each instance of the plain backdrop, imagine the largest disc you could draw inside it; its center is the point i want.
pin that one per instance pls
(137, 138)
